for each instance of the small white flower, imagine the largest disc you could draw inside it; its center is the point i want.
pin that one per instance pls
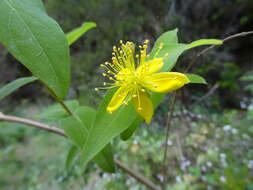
(250, 164)
(226, 127)
(209, 164)
(234, 131)
(178, 179)
(223, 179)
(128, 182)
(169, 143)
(245, 136)
(185, 111)
(250, 107)
(203, 168)
(223, 155)
(224, 163)
(160, 177)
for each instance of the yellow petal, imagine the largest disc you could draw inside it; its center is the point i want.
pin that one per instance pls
(151, 66)
(117, 99)
(165, 82)
(143, 106)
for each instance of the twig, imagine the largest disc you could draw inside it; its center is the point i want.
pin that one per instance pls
(167, 128)
(208, 94)
(58, 131)
(32, 123)
(137, 176)
(242, 34)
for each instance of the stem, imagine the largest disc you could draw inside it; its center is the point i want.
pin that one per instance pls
(58, 131)
(137, 176)
(167, 128)
(60, 101)
(36, 124)
(65, 107)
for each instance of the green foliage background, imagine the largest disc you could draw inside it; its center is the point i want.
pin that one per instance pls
(204, 137)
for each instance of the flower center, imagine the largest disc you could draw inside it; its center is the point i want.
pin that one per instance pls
(126, 77)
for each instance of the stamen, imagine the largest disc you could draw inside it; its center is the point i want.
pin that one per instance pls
(159, 49)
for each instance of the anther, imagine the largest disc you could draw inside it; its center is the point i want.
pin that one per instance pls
(161, 45)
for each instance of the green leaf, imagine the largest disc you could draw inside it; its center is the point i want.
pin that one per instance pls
(173, 49)
(169, 37)
(56, 111)
(106, 126)
(128, 133)
(77, 129)
(87, 115)
(205, 42)
(78, 32)
(14, 85)
(104, 159)
(196, 79)
(37, 42)
(72, 153)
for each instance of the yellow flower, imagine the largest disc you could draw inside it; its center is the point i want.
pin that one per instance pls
(134, 75)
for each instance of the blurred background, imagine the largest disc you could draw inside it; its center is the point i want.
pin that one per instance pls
(210, 140)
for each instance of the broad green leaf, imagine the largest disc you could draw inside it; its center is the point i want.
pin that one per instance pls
(104, 159)
(78, 32)
(105, 127)
(196, 79)
(77, 129)
(87, 115)
(14, 85)
(56, 111)
(74, 129)
(37, 42)
(71, 156)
